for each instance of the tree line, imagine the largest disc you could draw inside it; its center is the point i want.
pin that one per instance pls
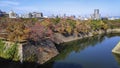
(20, 30)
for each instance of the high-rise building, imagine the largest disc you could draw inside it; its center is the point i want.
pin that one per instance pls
(96, 11)
(96, 15)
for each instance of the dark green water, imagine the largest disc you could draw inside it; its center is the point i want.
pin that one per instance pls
(94, 52)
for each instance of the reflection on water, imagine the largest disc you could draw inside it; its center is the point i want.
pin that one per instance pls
(117, 58)
(12, 64)
(93, 52)
(78, 45)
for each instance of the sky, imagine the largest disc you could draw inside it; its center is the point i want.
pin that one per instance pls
(68, 7)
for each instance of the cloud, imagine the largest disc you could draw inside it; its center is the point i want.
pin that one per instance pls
(9, 3)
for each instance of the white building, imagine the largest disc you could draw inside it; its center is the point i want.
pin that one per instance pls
(12, 15)
(29, 15)
(32, 15)
(83, 18)
(113, 18)
(37, 15)
(45, 16)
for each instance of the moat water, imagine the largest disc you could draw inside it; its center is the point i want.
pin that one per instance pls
(93, 52)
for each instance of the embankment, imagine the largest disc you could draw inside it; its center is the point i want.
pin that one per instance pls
(43, 51)
(28, 52)
(61, 38)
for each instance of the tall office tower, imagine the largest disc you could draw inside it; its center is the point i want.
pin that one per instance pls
(96, 15)
(96, 11)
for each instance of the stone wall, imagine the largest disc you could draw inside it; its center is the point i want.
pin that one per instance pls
(39, 53)
(113, 31)
(61, 39)
(116, 49)
(46, 50)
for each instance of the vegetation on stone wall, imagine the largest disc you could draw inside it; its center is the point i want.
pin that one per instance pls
(9, 51)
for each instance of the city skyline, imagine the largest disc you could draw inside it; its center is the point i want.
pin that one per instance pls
(68, 7)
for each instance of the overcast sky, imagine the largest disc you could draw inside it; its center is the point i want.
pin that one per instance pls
(69, 7)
